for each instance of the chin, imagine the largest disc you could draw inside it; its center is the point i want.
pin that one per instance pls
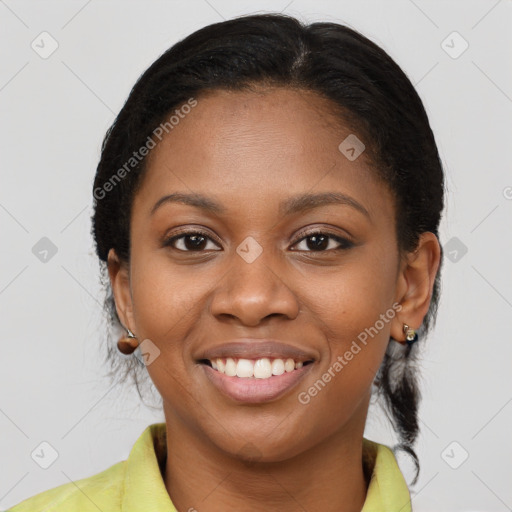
(256, 448)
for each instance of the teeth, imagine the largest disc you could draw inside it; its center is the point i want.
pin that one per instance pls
(277, 367)
(244, 368)
(263, 368)
(230, 369)
(289, 365)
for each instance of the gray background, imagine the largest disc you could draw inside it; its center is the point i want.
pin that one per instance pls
(54, 113)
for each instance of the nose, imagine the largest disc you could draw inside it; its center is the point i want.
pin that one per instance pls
(253, 292)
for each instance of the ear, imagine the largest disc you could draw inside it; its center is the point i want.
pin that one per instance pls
(415, 284)
(120, 283)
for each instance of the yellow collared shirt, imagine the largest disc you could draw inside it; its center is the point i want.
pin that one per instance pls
(136, 484)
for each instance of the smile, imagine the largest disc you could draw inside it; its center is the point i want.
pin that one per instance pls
(253, 380)
(263, 368)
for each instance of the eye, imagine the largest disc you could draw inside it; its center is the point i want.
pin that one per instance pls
(190, 241)
(314, 241)
(320, 241)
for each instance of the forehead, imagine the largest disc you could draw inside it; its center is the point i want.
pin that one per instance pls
(240, 146)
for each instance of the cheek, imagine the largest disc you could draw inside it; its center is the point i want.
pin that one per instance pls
(163, 299)
(353, 299)
(166, 305)
(356, 311)
(357, 339)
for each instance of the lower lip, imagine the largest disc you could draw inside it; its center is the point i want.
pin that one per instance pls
(253, 390)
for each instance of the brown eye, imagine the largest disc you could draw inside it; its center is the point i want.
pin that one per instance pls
(321, 242)
(191, 241)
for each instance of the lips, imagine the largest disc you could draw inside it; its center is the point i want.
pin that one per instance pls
(241, 385)
(255, 349)
(255, 391)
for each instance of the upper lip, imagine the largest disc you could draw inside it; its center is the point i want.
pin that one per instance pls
(256, 349)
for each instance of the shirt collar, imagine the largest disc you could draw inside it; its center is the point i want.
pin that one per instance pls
(387, 490)
(144, 487)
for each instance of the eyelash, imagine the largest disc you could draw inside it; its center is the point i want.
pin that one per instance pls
(344, 243)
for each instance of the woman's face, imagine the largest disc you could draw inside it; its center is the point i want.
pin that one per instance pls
(270, 163)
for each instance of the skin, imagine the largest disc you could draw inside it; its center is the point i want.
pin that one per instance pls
(249, 151)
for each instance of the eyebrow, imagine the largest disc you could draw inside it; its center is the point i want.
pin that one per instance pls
(309, 201)
(292, 205)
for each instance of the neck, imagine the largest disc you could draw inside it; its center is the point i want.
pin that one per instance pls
(329, 477)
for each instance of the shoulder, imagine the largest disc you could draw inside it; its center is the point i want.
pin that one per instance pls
(102, 491)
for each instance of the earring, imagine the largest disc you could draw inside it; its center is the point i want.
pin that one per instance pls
(411, 336)
(127, 344)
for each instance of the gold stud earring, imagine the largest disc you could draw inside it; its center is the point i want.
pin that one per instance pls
(128, 344)
(411, 336)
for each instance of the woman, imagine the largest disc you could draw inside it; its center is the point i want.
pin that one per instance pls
(267, 206)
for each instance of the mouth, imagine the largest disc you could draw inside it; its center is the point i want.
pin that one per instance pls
(262, 368)
(255, 381)
(255, 370)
